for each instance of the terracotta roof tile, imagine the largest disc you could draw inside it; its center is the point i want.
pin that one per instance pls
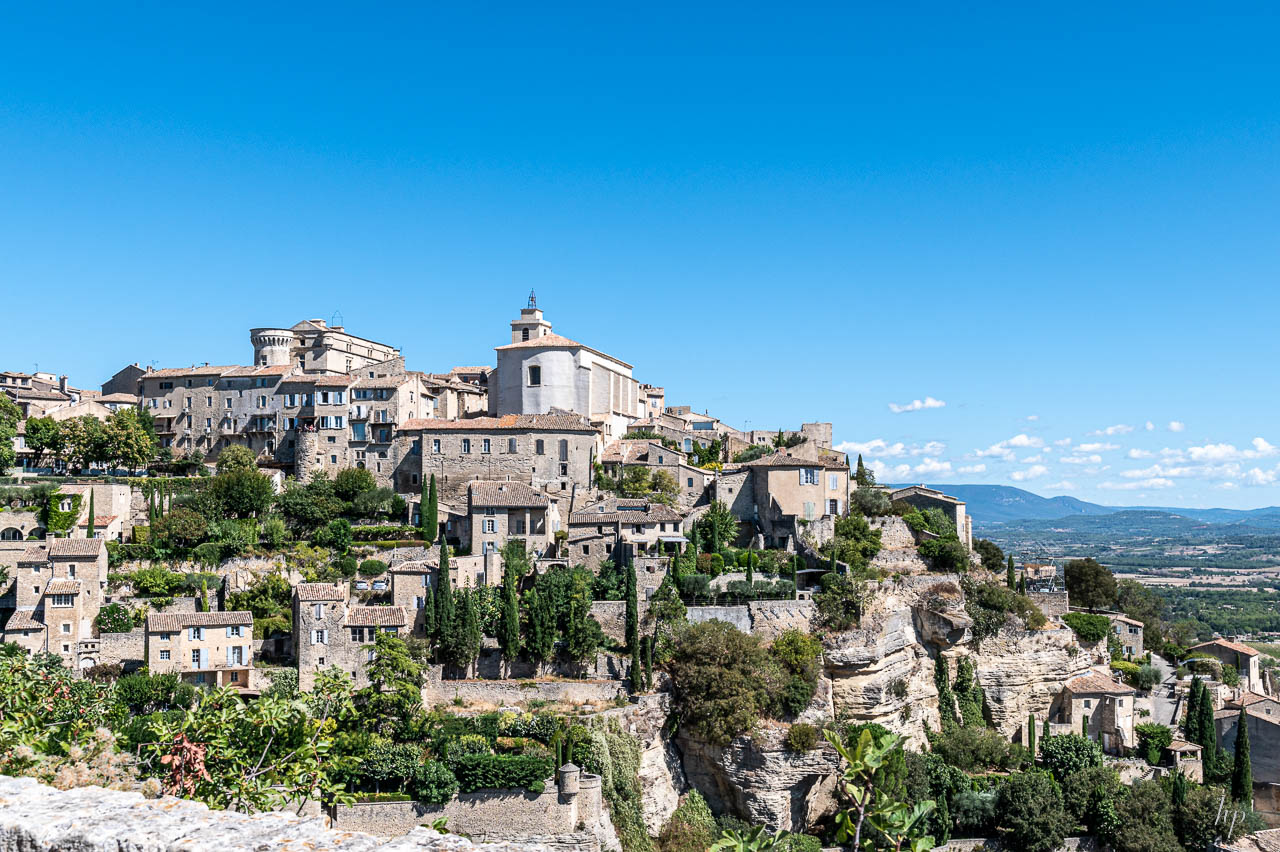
(173, 372)
(171, 622)
(320, 592)
(781, 458)
(376, 616)
(517, 422)
(65, 548)
(1227, 644)
(1095, 682)
(509, 495)
(62, 587)
(23, 619)
(627, 511)
(34, 553)
(558, 341)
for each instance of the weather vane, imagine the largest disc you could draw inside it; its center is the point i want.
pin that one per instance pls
(533, 299)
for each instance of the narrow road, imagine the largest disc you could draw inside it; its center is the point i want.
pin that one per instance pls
(1163, 695)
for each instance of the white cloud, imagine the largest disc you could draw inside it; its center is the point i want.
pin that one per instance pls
(1062, 442)
(1151, 427)
(1118, 429)
(1134, 486)
(1033, 459)
(1036, 470)
(1228, 452)
(1033, 417)
(1093, 459)
(881, 447)
(1096, 447)
(1257, 476)
(1161, 471)
(916, 405)
(1004, 449)
(1177, 426)
(1226, 486)
(1262, 448)
(973, 468)
(933, 466)
(1064, 485)
(1140, 454)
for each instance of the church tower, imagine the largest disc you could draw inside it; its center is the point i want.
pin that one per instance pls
(531, 325)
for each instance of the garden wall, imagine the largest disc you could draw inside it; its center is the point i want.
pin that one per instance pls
(738, 616)
(509, 692)
(1052, 604)
(127, 649)
(563, 820)
(770, 618)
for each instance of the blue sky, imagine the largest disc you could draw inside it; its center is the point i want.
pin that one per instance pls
(1055, 221)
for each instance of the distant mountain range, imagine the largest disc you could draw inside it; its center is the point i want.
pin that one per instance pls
(996, 505)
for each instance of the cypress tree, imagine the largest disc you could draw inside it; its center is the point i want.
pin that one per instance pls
(431, 512)
(946, 700)
(1209, 735)
(646, 645)
(751, 574)
(1009, 573)
(633, 613)
(1192, 724)
(429, 614)
(715, 539)
(1031, 734)
(1044, 730)
(637, 670)
(697, 545)
(540, 636)
(1178, 794)
(1022, 583)
(833, 566)
(92, 528)
(509, 631)
(445, 607)
(1241, 772)
(860, 477)
(151, 509)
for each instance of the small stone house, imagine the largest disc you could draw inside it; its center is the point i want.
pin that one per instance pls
(640, 526)
(923, 497)
(1246, 660)
(501, 511)
(1129, 632)
(1182, 756)
(1264, 739)
(1101, 708)
(58, 591)
(789, 492)
(209, 649)
(330, 631)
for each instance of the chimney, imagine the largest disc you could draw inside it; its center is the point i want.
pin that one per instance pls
(62, 383)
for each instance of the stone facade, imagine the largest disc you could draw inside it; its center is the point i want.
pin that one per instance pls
(314, 346)
(204, 648)
(639, 526)
(789, 491)
(58, 589)
(501, 511)
(329, 631)
(929, 498)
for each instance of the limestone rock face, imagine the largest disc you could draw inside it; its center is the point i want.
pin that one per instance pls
(661, 775)
(1022, 671)
(897, 547)
(759, 779)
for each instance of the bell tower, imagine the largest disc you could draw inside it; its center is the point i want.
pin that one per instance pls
(530, 325)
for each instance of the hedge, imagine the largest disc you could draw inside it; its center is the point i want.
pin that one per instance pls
(502, 772)
(386, 533)
(1088, 627)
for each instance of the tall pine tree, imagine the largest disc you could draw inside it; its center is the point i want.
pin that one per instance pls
(633, 613)
(1209, 737)
(92, 517)
(1192, 724)
(1009, 576)
(509, 629)
(1241, 771)
(446, 614)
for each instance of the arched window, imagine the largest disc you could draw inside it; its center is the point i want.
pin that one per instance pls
(11, 534)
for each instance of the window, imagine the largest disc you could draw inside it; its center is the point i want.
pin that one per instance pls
(195, 633)
(419, 602)
(485, 446)
(318, 610)
(690, 482)
(1088, 704)
(539, 448)
(357, 634)
(586, 548)
(564, 470)
(164, 655)
(339, 397)
(186, 403)
(833, 507)
(524, 334)
(235, 655)
(535, 376)
(564, 451)
(490, 525)
(466, 445)
(319, 637)
(833, 482)
(195, 657)
(66, 627)
(200, 679)
(435, 445)
(333, 459)
(235, 631)
(262, 401)
(808, 476)
(235, 676)
(228, 401)
(511, 445)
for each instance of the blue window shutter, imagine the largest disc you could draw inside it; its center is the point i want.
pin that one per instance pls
(204, 658)
(228, 632)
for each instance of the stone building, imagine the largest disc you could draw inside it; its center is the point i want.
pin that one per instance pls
(1246, 660)
(1099, 707)
(58, 589)
(459, 394)
(38, 394)
(923, 497)
(691, 481)
(553, 451)
(539, 371)
(782, 493)
(501, 511)
(315, 347)
(1264, 739)
(1129, 632)
(209, 649)
(637, 526)
(329, 630)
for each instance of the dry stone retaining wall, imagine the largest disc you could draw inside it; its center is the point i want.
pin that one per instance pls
(36, 818)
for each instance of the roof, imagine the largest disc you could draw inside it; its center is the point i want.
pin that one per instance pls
(73, 547)
(376, 616)
(1097, 683)
(1248, 699)
(782, 458)
(1126, 619)
(174, 372)
(119, 397)
(98, 520)
(23, 619)
(171, 622)
(1228, 645)
(320, 381)
(320, 592)
(635, 450)
(556, 341)
(519, 422)
(459, 370)
(34, 553)
(924, 490)
(620, 509)
(1183, 745)
(62, 587)
(385, 381)
(509, 495)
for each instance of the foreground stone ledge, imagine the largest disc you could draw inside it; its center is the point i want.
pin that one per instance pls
(37, 818)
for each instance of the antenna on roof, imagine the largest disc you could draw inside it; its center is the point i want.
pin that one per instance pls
(533, 299)
(336, 320)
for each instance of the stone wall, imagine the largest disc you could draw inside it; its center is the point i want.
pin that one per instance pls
(769, 618)
(561, 820)
(36, 818)
(510, 692)
(127, 649)
(1052, 604)
(738, 616)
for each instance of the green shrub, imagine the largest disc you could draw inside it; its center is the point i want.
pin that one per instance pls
(724, 680)
(465, 746)
(115, 618)
(385, 533)
(802, 737)
(799, 843)
(691, 828)
(971, 749)
(501, 771)
(1069, 753)
(372, 568)
(433, 783)
(1153, 739)
(695, 585)
(1088, 628)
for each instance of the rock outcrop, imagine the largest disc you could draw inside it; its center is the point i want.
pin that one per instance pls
(758, 778)
(1022, 671)
(898, 553)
